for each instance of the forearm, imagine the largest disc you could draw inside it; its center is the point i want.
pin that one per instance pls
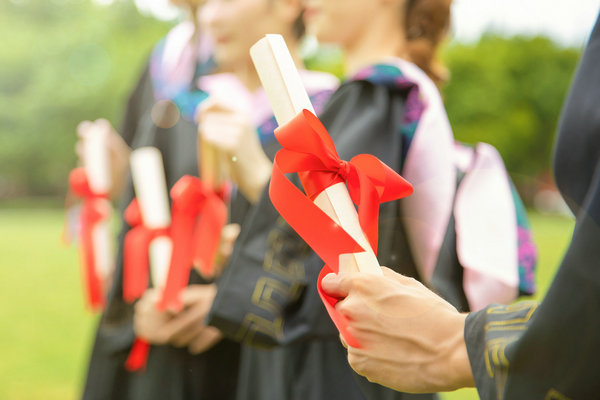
(252, 181)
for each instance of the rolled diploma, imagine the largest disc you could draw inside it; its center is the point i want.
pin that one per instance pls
(213, 166)
(97, 168)
(287, 96)
(148, 176)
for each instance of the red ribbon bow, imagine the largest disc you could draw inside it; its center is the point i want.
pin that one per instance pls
(195, 241)
(309, 150)
(95, 209)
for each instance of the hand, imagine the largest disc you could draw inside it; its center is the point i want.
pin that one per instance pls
(231, 134)
(149, 323)
(229, 235)
(183, 329)
(412, 340)
(118, 153)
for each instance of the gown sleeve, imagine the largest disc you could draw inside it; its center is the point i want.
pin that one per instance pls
(267, 295)
(550, 350)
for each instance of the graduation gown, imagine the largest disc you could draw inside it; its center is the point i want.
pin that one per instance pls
(550, 350)
(159, 113)
(170, 373)
(267, 295)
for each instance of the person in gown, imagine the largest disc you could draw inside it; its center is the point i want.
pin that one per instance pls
(188, 359)
(389, 107)
(160, 113)
(415, 341)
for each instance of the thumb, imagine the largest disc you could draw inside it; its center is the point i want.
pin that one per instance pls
(337, 285)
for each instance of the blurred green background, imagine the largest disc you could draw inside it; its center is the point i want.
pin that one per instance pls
(63, 61)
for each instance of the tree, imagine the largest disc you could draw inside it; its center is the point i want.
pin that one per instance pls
(62, 62)
(508, 92)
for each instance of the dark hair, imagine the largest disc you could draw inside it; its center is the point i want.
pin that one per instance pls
(427, 24)
(298, 29)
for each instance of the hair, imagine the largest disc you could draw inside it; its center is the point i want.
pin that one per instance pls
(427, 24)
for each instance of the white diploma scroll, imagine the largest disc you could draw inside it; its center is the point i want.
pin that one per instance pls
(97, 168)
(151, 192)
(287, 96)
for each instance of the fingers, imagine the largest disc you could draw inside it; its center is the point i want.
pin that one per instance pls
(195, 294)
(338, 285)
(205, 340)
(82, 128)
(185, 325)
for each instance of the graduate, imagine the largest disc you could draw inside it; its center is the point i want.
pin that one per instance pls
(387, 107)
(521, 351)
(160, 113)
(188, 359)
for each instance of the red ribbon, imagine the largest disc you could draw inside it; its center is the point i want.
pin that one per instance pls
(198, 215)
(309, 151)
(95, 209)
(138, 355)
(135, 253)
(195, 240)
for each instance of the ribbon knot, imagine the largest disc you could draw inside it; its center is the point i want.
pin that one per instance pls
(309, 151)
(95, 209)
(344, 170)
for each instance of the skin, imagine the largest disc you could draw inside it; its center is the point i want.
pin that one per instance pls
(367, 31)
(230, 133)
(223, 128)
(181, 329)
(118, 152)
(411, 339)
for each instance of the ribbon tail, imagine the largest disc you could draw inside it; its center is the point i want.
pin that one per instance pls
(138, 356)
(135, 263)
(207, 235)
(182, 227)
(92, 281)
(368, 210)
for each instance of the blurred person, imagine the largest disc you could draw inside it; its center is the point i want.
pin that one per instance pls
(234, 113)
(413, 340)
(160, 113)
(388, 107)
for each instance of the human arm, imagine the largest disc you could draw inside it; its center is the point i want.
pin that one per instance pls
(230, 133)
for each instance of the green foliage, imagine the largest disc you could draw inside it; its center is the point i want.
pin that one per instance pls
(508, 92)
(62, 62)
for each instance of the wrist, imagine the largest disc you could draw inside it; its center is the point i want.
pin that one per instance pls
(458, 365)
(256, 177)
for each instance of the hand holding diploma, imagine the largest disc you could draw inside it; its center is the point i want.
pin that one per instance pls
(411, 339)
(185, 328)
(93, 184)
(333, 229)
(117, 152)
(228, 140)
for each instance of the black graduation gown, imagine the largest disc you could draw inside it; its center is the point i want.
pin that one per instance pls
(171, 373)
(267, 295)
(551, 350)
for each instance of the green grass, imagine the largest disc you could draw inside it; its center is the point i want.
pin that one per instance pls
(46, 332)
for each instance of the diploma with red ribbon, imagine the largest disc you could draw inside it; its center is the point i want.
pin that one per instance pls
(325, 217)
(163, 245)
(92, 184)
(148, 246)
